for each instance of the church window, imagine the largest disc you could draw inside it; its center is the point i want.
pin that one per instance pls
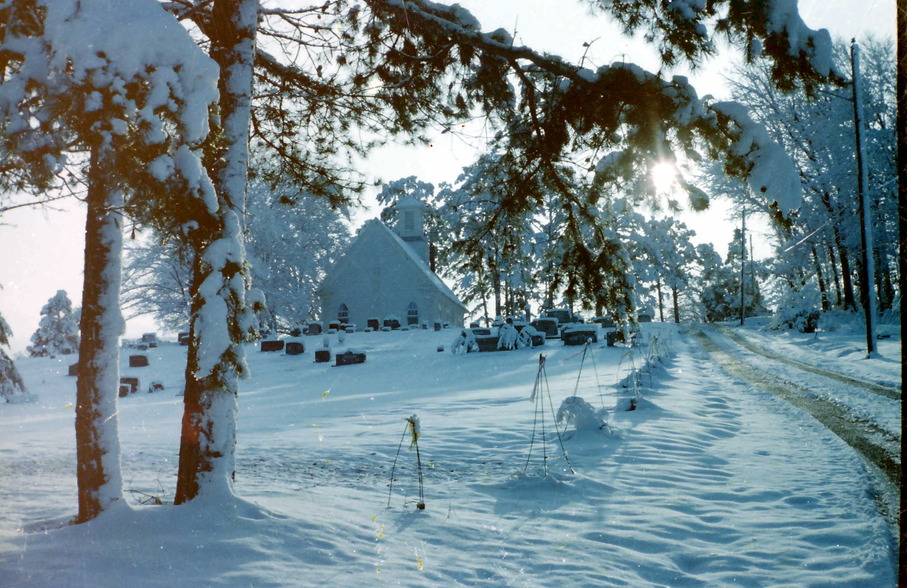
(412, 314)
(343, 313)
(409, 221)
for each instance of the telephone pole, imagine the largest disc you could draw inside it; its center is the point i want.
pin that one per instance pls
(742, 266)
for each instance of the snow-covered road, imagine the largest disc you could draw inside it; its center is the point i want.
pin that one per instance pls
(863, 414)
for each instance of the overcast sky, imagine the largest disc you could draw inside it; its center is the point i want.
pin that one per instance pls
(41, 251)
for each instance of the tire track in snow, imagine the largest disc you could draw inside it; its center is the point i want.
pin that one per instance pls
(857, 433)
(875, 388)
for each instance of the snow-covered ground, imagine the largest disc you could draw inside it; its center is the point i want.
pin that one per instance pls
(710, 482)
(838, 349)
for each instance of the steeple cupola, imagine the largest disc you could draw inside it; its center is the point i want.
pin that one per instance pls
(409, 225)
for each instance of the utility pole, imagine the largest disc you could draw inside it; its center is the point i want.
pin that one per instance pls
(742, 266)
(750, 255)
(869, 306)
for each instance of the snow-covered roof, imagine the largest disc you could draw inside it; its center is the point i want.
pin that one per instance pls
(379, 227)
(423, 267)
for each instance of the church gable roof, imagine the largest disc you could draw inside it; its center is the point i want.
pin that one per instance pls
(375, 238)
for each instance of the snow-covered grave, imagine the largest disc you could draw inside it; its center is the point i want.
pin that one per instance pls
(708, 482)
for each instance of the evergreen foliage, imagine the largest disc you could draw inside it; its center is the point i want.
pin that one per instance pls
(127, 107)
(11, 383)
(58, 330)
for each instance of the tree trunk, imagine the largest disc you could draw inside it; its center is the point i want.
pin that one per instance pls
(496, 285)
(846, 279)
(822, 288)
(220, 320)
(834, 271)
(884, 283)
(485, 309)
(676, 304)
(97, 442)
(661, 306)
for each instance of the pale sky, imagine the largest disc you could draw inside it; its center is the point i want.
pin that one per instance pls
(41, 251)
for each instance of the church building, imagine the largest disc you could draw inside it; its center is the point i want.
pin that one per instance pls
(385, 274)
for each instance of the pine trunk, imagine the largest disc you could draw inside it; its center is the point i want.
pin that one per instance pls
(834, 271)
(846, 279)
(97, 442)
(219, 318)
(884, 283)
(661, 306)
(823, 290)
(496, 285)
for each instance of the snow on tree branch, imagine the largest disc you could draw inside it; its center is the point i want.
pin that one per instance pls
(569, 109)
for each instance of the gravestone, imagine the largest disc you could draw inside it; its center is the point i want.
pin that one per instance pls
(487, 342)
(138, 361)
(272, 346)
(350, 358)
(132, 385)
(579, 335)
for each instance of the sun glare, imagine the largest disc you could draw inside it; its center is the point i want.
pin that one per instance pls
(663, 177)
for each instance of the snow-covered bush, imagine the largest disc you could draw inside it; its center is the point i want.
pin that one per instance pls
(58, 331)
(579, 413)
(525, 336)
(465, 342)
(257, 301)
(797, 309)
(508, 337)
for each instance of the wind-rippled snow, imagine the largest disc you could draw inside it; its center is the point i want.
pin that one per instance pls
(709, 483)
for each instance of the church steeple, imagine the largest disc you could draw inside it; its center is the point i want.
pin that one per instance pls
(409, 225)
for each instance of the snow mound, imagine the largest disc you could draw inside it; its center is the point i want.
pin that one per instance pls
(580, 414)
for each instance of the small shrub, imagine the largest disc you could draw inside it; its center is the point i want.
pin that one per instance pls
(465, 342)
(579, 413)
(508, 337)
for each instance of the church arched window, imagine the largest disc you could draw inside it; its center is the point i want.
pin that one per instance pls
(412, 314)
(343, 313)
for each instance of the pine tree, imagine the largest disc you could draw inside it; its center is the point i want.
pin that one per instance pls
(11, 384)
(220, 318)
(58, 331)
(129, 103)
(717, 286)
